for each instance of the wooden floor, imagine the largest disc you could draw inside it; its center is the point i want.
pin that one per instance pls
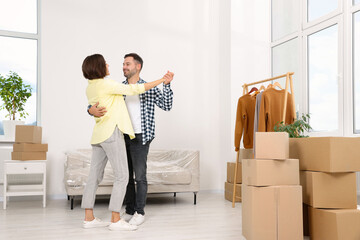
(166, 218)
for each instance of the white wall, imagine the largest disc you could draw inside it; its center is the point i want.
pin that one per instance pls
(191, 38)
(250, 48)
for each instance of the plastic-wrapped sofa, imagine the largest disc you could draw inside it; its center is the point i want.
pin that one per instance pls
(168, 171)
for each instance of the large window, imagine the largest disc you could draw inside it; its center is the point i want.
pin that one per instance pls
(319, 8)
(285, 58)
(19, 41)
(288, 21)
(326, 86)
(322, 77)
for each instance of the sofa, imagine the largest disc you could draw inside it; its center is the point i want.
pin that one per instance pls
(168, 171)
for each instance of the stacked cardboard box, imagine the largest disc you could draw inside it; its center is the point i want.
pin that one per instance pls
(328, 179)
(229, 184)
(28, 144)
(271, 194)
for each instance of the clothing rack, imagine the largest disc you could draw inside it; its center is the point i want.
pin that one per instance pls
(289, 81)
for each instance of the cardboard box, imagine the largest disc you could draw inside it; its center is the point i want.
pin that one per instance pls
(272, 145)
(28, 155)
(231, 172)
(272, 213)
(28, 134)
(329, 190)
(30, 147)
(246, 153)
(264, 172)
(327, 154)
(334, 224)
(229, 187)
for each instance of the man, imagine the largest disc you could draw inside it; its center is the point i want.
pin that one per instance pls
(141, 110)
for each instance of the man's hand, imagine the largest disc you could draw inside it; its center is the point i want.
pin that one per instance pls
(168, 77)
(97, 112)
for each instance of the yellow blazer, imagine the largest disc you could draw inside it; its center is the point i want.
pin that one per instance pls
(109, 94)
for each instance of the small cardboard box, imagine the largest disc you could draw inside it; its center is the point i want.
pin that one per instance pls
(264, 172)
(272, 213)
(28, 155)
(231, 172)
(28, 134)
(229, 189)
(334, 224)
(246, 153)
(272, 145)
(30, 147)
(327, 154)
(329, 190)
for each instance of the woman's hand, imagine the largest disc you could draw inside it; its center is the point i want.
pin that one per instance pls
(168, 77)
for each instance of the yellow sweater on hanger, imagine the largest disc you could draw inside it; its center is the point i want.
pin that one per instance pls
(245, 121)
(271, 109)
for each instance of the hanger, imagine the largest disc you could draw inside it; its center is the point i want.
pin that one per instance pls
(253, 89)
(261, 88)
(255, 93)
(269, 86)
(277, 84)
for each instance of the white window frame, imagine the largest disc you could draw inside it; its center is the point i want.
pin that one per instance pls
(349, 62)
(37, 37)
(342, 16)
(321, 19)
(305, 34)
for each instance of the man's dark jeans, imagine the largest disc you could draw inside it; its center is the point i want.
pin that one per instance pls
(137, 157)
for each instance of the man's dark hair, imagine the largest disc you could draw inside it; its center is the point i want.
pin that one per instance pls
(136, 57)
(94, 66)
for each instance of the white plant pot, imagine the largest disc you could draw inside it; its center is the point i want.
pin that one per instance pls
(9, 128)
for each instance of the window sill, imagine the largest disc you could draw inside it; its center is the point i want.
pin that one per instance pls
(5, 140)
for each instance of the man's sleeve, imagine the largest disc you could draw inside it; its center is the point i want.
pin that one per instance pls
(164, 99)
(88, 110)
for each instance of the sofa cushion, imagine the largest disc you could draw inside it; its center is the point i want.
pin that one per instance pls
(160, 173)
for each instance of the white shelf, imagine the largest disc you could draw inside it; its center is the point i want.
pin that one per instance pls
(27, 193)
(24, 167)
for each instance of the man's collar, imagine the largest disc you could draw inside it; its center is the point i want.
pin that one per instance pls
(140, 81)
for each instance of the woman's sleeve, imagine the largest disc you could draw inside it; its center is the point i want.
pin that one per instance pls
(113, 87)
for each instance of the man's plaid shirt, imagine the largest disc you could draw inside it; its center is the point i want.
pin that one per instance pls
(148, 100)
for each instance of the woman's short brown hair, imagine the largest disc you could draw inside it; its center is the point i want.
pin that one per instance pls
(94, 67)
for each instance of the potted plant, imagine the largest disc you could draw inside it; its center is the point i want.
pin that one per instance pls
(297, 129)
(14, 94)
(324, 154)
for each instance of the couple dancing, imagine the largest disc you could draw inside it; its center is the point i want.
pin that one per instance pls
(124, 129)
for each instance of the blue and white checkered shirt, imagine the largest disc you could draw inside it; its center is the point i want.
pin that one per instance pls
(148, 100)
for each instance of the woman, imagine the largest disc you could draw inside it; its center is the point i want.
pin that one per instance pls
(107, 139)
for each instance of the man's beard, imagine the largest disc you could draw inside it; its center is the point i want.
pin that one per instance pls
(129, 74)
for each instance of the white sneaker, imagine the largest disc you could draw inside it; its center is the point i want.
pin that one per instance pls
(126, 216)
(137, 219)
(121, 225)
(95, 223)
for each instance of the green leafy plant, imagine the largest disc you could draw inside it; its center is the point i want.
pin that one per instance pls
(14, 94)
(297, 128)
